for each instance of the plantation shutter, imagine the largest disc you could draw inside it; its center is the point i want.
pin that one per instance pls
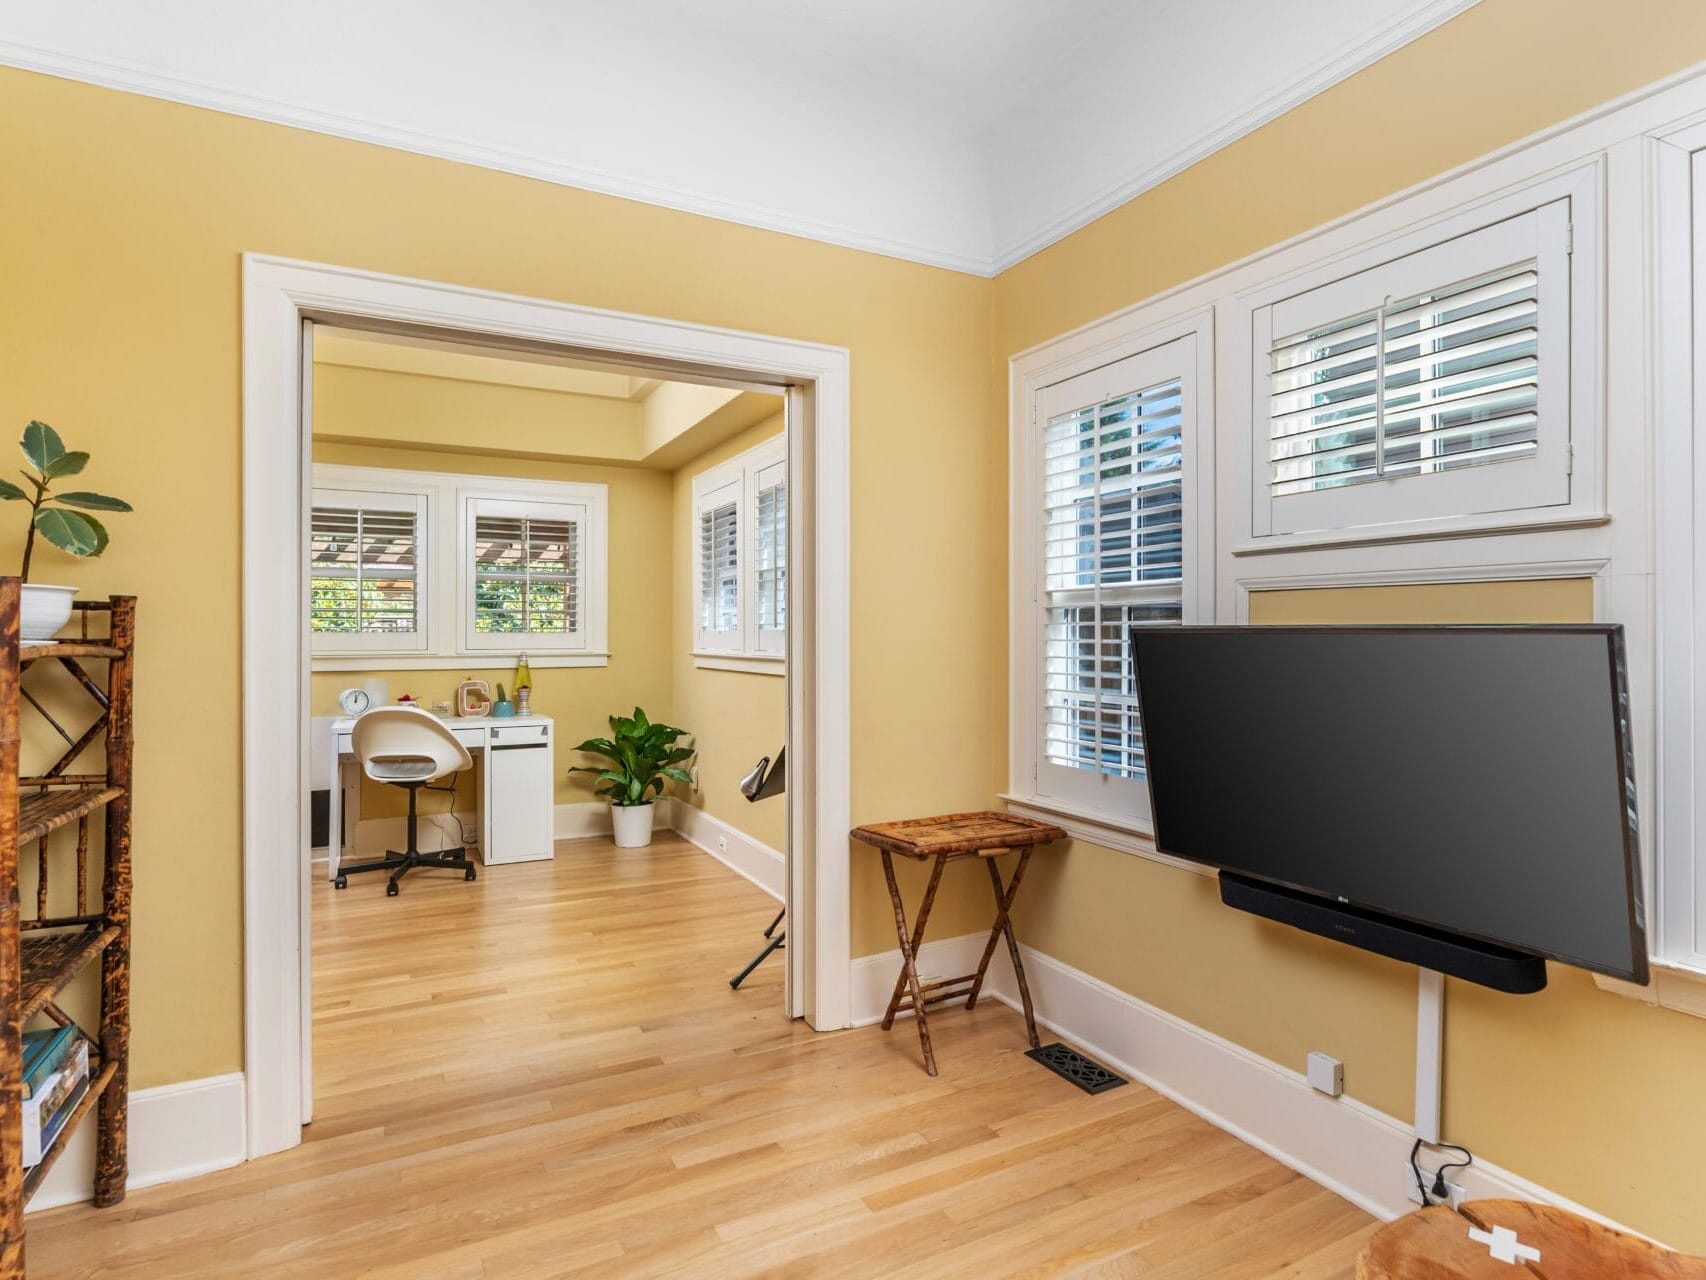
(364, 571)
(719, 553)
(1114, 506)
(770, 557)
(1443, 362)
(526, 575)
(525, 566)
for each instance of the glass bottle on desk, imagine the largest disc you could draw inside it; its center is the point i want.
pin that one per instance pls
(523, 687)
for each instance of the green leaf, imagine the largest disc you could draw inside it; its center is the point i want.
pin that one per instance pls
(67, 464)
(10, 492)
(100, 534)
(91, 501)
(679, 775)
(42, 446)
(70, 532)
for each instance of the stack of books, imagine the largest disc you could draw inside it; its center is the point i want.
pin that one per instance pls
(56, 1076)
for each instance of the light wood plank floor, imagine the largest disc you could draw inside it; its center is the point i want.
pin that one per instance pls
(545, 1074)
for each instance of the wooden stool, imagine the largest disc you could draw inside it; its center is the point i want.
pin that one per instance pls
(944, 839)
(1436, 1244)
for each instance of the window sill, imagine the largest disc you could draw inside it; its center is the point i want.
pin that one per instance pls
(453, 661)
(1121, 834)
(1411, 530)
(768, 664)
(1673, 986)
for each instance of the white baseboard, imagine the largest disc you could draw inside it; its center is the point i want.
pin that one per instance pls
(176, 1131)
(759, 863)
(1345, 1145)
(585, 818)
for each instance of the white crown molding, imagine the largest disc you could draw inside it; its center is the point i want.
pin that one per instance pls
(133, 77)
(195, 92)
(1324, 75)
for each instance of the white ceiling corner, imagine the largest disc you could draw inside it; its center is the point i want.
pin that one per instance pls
(966, 134)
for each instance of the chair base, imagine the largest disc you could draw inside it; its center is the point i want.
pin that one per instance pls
(400, 864)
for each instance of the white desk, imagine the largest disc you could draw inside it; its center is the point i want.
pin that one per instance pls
(515, 768)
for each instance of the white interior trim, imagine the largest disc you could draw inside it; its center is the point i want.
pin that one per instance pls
(177, 1131)
(279, 295)
(1347, 1146)
(734, 848)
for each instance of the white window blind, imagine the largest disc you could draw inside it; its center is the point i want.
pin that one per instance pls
(365, 571)
(770, 557)
(1113, 508)
(719, 569)
(1450, 378)
(526, 575)
(1433, 385)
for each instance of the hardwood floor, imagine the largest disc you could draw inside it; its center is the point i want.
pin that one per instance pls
(545, 1074)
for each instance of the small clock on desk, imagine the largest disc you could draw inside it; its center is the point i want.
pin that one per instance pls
(354, 701)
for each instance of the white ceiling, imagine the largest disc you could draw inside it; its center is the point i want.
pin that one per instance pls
(964, 133)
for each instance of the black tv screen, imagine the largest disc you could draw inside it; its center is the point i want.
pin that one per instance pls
(1475, 780)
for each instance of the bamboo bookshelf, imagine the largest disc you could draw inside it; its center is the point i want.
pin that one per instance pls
(43, 951)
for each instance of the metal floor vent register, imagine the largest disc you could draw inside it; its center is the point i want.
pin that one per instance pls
(1069, 1064)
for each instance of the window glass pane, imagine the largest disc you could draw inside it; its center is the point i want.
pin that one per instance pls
(526, 575)
(772, 557)
(362, 571)
(1113, 513)
(719, 569)
(1427, 384)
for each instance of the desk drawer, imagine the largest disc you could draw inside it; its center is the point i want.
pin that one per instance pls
(520, 735)
(474, 738)
(344, 745)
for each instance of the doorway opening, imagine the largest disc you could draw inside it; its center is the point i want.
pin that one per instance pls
(481, 557)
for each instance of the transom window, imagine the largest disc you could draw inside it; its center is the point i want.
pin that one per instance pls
(1433, 385)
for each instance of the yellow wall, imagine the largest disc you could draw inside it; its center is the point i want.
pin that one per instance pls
(735, 716)
(121, 325)
(1578, 1089)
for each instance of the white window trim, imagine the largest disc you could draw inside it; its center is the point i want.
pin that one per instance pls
(1575, 445)
(1619, 476)
(472, 502)
(364, 648)
(446, 582)
(1030, 377)
(745, 648)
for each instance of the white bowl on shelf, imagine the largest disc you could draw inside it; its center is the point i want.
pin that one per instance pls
(43, 610)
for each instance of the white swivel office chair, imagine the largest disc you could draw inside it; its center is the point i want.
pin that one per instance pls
(408, 748)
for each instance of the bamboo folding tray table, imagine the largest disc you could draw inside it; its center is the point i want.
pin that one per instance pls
(940, 841)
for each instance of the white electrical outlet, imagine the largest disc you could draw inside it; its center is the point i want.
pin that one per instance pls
(1455, 1195)
(722, 844)
(1326, 1074)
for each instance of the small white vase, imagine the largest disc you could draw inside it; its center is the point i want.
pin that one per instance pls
(632, 824)
(43, 611)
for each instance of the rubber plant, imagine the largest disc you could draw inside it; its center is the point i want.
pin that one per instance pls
(643, 757)
(62, 518)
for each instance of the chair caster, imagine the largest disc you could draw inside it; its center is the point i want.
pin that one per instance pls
(468, 874)
(391, 889)
(342, 882)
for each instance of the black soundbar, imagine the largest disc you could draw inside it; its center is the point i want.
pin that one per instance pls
(1449, 953)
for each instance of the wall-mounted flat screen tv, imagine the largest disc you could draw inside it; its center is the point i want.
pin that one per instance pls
(1475, 781)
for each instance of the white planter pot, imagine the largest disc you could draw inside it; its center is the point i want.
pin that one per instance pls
(43, 611)
(632, 824)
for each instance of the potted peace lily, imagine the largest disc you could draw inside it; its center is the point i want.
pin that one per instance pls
(643, 756)
(61, 518)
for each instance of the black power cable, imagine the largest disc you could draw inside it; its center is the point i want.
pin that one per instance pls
(1440, 1191)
